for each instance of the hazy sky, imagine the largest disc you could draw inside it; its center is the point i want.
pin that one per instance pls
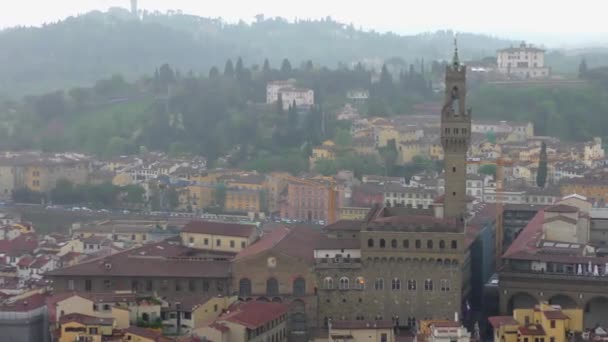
(554, 22)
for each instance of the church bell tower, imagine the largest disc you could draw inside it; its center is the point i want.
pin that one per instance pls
(455, 138)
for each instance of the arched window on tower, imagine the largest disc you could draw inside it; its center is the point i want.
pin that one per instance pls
(370, 243)
(455, 97)
(382, 243)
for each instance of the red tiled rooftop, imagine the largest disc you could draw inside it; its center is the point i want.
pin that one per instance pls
(254, 314)
(299, 242)
(219, 228)
(26, 261)
(40, 262)
(498, 321)
(352, 325)
(85, 319)
(154, 260)
(532, 330)
(25, 304)
(23, 244)
(526, 240)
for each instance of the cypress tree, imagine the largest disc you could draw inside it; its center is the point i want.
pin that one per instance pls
(229, 69)
(541, 175)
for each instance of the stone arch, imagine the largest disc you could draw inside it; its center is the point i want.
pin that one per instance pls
(263, 299)
(565, 301)
(376, 259)
(391, 259)
(399, 259)
(384, 259)
(596, 312)
(277, 300)
(521, 300)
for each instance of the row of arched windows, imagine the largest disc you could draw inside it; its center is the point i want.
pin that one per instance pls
(344, 283)
(272, 287)
(412, 285)
(406, 244)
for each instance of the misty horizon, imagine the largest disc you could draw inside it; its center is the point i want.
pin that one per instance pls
(580, 35)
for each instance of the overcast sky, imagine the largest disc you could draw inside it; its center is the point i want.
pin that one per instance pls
(552, 22)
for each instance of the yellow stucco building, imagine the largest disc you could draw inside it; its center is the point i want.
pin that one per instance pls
(544, 322)
(73, 326)
(218, 236)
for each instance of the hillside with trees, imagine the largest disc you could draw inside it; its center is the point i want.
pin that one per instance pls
(81, 50)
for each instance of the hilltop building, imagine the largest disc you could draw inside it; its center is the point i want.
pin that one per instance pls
(525, 61)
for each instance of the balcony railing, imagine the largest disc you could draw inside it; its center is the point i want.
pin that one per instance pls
(508, 271)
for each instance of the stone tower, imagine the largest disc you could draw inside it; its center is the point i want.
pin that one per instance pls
(455, 138)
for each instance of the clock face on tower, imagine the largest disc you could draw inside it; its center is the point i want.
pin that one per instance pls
(272, 262)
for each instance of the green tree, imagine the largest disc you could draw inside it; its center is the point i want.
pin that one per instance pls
(286, 67)
(343, 137)
(326, 167)
(214, 73)
(64, 193)
(266, 68)
(541, 174)
(583, 69)
(488, 169)
(229, 69)
(220, 196)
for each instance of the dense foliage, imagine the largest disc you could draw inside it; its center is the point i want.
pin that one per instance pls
(83, 49)
(574, 112)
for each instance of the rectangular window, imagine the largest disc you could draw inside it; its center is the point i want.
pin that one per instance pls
(242, 244)
(191, 285)
(552, 324)
(71, 284)
(88, 285)
(206, 242)
(149, 286)
(92, 331)
(187, 315)
(218, 242)
(231, 243)
(205, 285)
(107, 284)
(178, 286)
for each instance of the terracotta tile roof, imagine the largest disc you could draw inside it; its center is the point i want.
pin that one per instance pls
(266, 242)
(146, 333)
(40, 262)
(154, 260)
(26, 261)
(30, 303)
(555, 315)
(351, 325)
(254, 314)
(85, 319)
(354, 225)
(561, 218)
(23, 244)
(562, 208)
(526, 240)
(532, 330)
(498, 321)
(219, 228)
